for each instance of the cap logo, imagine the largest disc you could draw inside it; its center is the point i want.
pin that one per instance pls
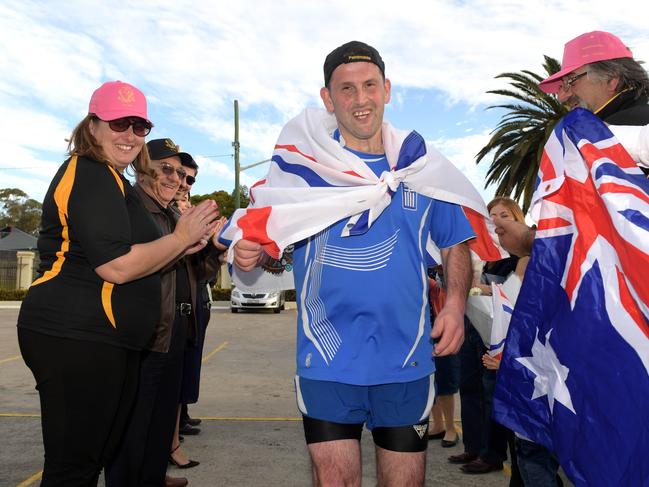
(125, 95)
(170, 145)
(358, 58)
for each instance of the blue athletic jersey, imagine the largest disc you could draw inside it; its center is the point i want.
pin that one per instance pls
(362, 300)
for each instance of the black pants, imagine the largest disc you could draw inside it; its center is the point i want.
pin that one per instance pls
(471, 394)
(86, 391)
(143, 455)
(193, 359)
(481, 434)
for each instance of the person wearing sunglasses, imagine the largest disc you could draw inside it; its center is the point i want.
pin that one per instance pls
(191, 170)
(144, 452)
(598, 73)
(95, 302)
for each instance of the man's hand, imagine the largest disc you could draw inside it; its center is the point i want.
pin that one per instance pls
(220, 223)
(516, 238)
(247, 254)
(449, 324)
(449, 328)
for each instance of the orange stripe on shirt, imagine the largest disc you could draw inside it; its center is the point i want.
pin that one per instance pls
(61, 198)
(107, 301)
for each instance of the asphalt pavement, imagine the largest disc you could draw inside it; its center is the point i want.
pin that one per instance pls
(251, 434)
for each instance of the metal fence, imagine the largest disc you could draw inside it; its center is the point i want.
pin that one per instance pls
(8, 269)
(8, 273)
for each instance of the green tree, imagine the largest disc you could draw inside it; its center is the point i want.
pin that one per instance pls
(18, 210)
(224, 199)
(244, 196)
(517, 141)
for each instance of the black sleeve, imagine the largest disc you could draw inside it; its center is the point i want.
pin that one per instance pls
(98, 216)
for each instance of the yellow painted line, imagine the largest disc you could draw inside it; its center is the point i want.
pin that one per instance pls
(16, 357)
(204, 418)
(19, 415)
(31, 480)
(215, 351)
(247, 419)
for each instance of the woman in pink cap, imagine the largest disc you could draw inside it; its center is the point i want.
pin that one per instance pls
(94, 305)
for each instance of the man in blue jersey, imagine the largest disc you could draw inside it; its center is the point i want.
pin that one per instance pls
(364, 348)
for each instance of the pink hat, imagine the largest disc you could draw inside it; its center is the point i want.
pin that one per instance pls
(115, 99)
(585, 49)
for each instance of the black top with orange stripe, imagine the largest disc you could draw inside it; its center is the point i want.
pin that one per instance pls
(91, 215)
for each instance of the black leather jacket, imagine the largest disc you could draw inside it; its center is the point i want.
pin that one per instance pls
(200, 267)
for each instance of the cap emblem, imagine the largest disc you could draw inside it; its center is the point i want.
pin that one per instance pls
(125, 95)
(170, 145)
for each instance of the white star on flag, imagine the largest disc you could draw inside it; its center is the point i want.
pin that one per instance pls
(550, 373)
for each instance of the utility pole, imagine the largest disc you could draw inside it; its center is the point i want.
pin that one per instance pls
(237, 169)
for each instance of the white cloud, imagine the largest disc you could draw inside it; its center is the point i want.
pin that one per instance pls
(461, 152)
(192, 58)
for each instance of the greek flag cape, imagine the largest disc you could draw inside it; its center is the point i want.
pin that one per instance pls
(314, 182)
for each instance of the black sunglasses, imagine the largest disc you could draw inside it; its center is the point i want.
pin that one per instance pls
(168, 170)
(141, 127)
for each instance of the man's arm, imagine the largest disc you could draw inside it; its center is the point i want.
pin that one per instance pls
(516, 238)
(449, 324)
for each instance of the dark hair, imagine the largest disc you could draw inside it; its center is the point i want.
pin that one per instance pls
(83, 143)
(632, 75)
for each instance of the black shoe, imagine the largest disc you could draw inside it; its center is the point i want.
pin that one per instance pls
(192, 421)
(465, 457)
(189, 464)
(479, 466)
(451, 443)
(437, 436)
(187, 430)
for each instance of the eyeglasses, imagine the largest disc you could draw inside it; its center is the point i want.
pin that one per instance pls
(168, 170)
(568, 82)
(141, 128)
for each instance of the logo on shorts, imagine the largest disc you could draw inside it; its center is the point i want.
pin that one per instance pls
(420, 429)
(409, 198)
(307, 362)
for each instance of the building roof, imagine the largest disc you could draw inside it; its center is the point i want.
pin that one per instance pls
(12, 238)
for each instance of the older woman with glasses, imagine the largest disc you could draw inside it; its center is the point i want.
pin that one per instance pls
(143, 455)
(96, 301)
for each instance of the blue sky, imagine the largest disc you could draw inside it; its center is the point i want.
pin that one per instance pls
(193, 58)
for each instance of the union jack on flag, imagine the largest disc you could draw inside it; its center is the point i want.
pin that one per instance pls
(575, 370)
(503, 309)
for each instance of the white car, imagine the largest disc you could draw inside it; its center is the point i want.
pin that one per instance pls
(239, 300)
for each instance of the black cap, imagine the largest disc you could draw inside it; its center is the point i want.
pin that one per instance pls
(163, 148)
(352, 52)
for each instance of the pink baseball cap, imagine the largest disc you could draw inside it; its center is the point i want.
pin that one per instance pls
(585, 49)
(115, 99)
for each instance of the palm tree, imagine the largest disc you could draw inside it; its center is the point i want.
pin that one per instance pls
(519, 138)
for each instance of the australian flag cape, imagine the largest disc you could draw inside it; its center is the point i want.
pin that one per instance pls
(575, 370)
(314, 182)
